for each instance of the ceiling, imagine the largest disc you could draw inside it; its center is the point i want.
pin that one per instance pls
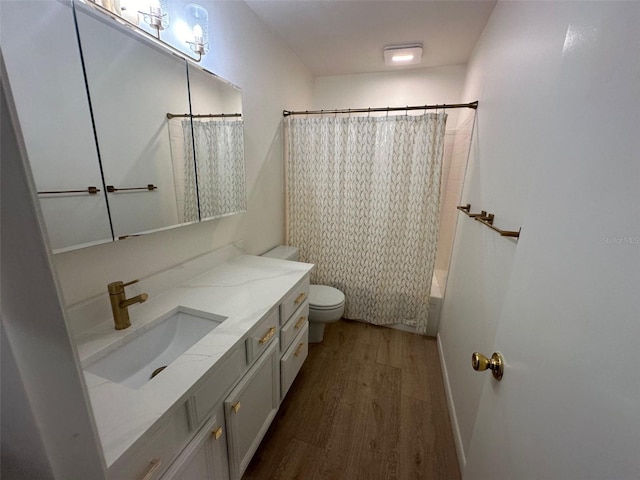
(339, 37)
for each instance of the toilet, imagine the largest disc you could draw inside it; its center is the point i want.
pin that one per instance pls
(326, 304)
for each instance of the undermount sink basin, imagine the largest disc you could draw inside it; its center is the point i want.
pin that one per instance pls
(135, 363)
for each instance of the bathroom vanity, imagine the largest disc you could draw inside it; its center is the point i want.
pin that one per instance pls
(204, 415)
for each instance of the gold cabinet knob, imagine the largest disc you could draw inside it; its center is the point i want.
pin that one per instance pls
(300, 298)
(496, 364)
(236, 407)
(217, 433)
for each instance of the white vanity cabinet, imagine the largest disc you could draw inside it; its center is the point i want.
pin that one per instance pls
(217, 425)
(250, 408)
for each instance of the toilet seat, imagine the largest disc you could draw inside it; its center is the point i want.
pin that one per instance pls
(323, 297)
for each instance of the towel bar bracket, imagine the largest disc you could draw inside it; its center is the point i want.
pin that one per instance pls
(487, 219)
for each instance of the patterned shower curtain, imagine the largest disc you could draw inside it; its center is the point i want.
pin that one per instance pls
(220, 166)
(220, 174)
(363, 204)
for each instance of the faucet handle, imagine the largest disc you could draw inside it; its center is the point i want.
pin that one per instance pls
(116, 288)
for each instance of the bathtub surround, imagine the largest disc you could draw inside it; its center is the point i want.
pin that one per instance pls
(363, 198)
(453, 172)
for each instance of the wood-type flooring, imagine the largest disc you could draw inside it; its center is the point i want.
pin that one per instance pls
(368, 404)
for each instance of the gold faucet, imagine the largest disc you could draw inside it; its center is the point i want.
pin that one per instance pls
(120, 303)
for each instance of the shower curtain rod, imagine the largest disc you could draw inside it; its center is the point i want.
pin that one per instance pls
(210, 115)
(473, 105)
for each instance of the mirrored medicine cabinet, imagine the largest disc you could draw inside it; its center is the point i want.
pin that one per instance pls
(124, 134)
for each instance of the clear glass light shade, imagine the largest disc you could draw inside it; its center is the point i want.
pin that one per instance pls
(197, 19)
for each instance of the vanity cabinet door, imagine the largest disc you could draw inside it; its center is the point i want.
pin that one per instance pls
(206, 456)
(250, 408)
(152, 454)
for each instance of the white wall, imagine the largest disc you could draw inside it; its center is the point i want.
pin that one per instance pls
(425, 86)
(272, 79)
(539, 71)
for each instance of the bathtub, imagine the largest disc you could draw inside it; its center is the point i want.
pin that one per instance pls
(435, 305)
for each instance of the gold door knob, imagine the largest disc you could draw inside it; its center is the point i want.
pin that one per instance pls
(496, 364)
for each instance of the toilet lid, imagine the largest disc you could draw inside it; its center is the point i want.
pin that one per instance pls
(324, 297)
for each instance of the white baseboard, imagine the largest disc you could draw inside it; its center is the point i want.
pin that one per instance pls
(462, 460)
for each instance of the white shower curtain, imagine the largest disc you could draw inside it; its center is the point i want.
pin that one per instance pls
(220, 175)
(220, 166)
(363, 202)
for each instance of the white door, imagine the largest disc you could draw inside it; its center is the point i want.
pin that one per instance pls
(568, 406)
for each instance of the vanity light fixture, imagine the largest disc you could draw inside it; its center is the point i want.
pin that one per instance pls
(197, 19)
(157, 17)
(395, 55)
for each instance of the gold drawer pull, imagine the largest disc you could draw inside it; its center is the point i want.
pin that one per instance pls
(268, 336)
(300, 322)
(236, 407)
(299, 349)
(300, 298)
(156, 463)
(217, 433)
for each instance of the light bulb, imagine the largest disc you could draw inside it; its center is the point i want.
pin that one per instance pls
(197, 34)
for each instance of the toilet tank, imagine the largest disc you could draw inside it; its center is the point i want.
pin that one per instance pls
(283, 252)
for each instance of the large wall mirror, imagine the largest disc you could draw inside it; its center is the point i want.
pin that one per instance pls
(124, 135)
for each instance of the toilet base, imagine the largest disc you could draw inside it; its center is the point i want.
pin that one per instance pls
(316, 331)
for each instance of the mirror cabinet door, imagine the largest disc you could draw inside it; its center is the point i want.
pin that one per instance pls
(45, 73)
(218, 140)
(133, 83)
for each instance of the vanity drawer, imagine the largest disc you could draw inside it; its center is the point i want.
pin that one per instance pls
(294, 299)
(294, 326)
(152, 454)
(262, 335)
(292, 360)
(217, 385)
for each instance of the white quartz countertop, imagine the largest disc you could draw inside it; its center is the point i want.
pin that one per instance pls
(243, 289)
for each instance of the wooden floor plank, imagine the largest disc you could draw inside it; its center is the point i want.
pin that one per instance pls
(368, 404)
(390, 349)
